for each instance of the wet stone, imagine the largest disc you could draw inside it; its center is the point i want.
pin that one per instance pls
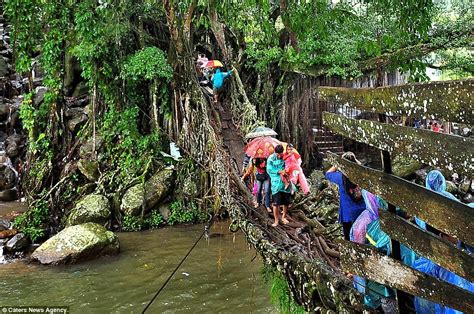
(40, 91)
(4, 110)
(4, 224)
(13, 150)
(17, 243)
(8, 195)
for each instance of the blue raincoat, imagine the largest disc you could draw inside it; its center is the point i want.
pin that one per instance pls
(428, 267)
(348, 209)
(436, 182)
(218, 78)
(275, 164)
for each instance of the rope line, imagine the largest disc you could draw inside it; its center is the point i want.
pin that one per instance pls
(206, 229)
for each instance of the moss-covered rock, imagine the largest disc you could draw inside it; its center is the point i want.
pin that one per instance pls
(77, 243)
(154, 190)
(87, 148)
(403, 166)
(92, 208)
(451, 187)
(89, 168)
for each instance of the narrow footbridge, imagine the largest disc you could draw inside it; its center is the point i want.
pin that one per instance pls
(308, 251)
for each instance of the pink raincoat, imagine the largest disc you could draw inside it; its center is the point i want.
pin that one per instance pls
(293, 168)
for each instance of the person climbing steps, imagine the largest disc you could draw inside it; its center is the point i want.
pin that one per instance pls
(218, 82)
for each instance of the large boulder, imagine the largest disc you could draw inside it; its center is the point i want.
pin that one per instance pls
(77, 243)
(403, 166)
(155, 190)
(92, 208)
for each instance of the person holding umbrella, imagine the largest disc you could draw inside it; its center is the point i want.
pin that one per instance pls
(259, 149)
(281, 195)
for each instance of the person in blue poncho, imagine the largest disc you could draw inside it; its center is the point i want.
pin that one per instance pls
(351, 202)
(428, 267)
(218, 82)
(281, 195)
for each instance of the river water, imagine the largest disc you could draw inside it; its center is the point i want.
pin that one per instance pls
(219, 276)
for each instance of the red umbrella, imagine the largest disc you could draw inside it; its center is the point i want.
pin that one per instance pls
(261, 147)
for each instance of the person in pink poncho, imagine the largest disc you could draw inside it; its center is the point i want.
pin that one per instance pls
(293, 172)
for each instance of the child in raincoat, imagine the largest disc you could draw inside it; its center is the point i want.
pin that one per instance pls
(293, 172)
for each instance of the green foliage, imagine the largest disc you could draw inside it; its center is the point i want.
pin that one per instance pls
(28, 114)
(23, 14)
(147, 64)
(456, 63)
(261, 59)
(132, 223)
(126, 149)
(32, 222)
(337, 38)
(155, 219)
(279, 291)
(182, 213)
(136, 223)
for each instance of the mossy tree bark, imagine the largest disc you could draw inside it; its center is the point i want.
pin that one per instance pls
(192, 129)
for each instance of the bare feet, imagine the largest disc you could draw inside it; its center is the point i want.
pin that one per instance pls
(285, 221)
(275, 224)
(269, 210)
(255, 204)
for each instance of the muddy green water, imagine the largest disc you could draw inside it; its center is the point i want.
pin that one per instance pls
(218, 277)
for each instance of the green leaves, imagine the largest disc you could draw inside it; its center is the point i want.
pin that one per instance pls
(32, 222)
(147, 64)
(181, 213)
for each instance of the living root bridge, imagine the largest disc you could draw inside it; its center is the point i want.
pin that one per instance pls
(300, 250)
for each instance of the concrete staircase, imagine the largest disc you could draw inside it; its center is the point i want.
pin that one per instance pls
(325, 141)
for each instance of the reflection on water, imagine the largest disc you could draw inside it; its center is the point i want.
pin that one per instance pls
(218, 276)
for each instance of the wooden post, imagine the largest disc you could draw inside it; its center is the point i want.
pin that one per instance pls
(401, 296)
